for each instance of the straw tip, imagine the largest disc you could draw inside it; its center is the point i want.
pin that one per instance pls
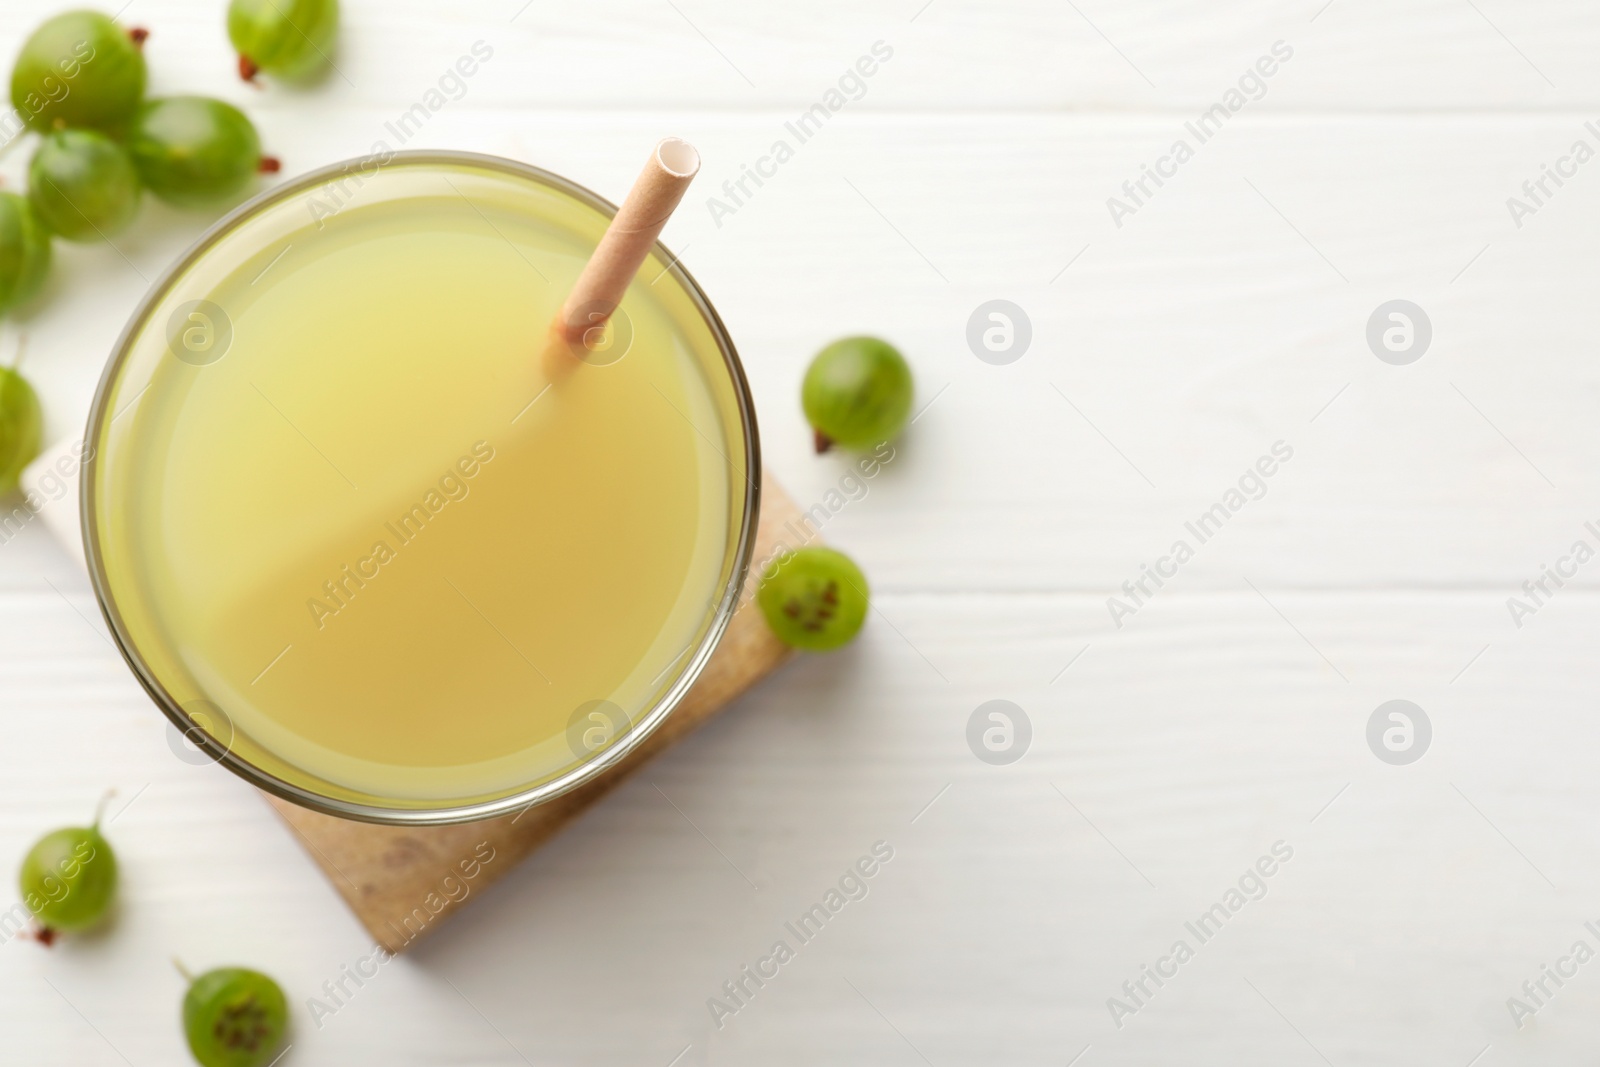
(678, 157)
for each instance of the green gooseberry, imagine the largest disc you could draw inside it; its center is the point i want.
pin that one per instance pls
(289, 39)
(857, 393)
(192, 151)
(21, 422)
(24, 252)
(234, 1017)
(814, 598)
(82, 185)
(78, 68)
(68, 879)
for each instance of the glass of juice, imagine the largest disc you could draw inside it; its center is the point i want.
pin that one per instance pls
(363, 547)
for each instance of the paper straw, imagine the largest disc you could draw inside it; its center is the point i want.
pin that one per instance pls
(622, 249)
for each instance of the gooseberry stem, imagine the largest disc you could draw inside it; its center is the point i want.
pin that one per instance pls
(187, 977)
(22, 350)
(100, 808)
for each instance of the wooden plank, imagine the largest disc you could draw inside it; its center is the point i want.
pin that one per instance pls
(403, 882)
(951, 56)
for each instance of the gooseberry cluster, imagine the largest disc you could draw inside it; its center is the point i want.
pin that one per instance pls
(79, 83)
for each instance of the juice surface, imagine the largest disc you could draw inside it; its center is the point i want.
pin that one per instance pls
(400, 558)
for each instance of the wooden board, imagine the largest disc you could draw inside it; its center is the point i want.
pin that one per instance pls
(403, 882)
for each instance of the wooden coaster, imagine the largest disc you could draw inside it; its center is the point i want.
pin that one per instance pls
(403, 882)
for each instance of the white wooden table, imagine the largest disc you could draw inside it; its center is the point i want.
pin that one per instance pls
(1227, 313)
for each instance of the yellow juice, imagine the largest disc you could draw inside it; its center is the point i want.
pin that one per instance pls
(403, 561)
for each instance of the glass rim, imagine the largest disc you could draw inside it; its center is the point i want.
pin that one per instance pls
(573, 778)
